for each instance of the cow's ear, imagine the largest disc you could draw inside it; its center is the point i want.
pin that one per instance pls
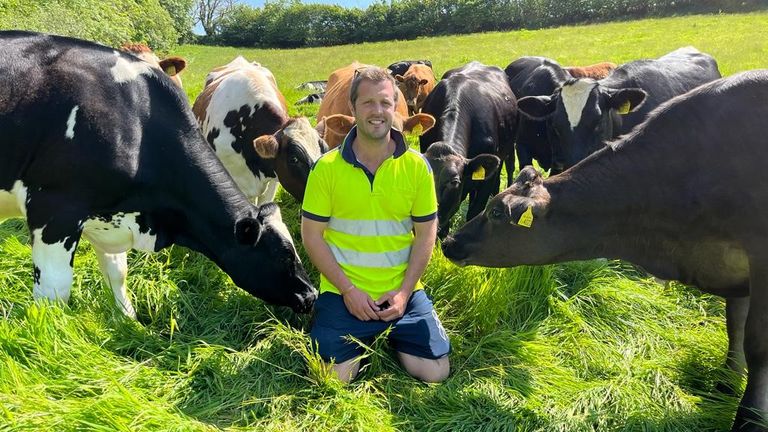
(412, 123)
(536, 107)
(173, 65)
(399, 78)
(528, 179)
(266, 146)
(339, 123)
(247, 231)
(423, 82)
(626, 100)
(482, 167)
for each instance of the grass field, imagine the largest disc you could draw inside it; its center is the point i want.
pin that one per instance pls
(588, 346)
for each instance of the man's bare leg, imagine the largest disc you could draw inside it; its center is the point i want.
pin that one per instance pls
(427, 370)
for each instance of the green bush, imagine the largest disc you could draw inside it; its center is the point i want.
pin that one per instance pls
(110, 22)
(289, 23)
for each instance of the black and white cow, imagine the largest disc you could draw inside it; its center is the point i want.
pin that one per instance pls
(475, 130)
(244, 117)
(585, 113)
(314, 98)
(317, 86)
(534, 76)
(683, 195)
(401, 67)
(99, 144)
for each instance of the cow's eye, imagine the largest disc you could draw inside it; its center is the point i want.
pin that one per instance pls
(294, 160)
(496, 213)
(454, 182)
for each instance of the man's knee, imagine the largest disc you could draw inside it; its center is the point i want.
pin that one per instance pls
(347, 371)
(427, 370)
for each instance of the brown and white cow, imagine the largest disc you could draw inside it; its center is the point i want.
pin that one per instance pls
(335, 118)
(416, 85)
(595, 71)
(244, 117)
(170, 65)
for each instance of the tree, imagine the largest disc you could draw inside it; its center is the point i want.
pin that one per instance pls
(209, 12)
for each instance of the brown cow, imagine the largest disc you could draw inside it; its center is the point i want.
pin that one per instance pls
(170, 65)
(596, 71)
(244, 117)
(416, 84)
(335, 114)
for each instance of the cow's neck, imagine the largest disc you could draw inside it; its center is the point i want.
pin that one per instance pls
(610, 213)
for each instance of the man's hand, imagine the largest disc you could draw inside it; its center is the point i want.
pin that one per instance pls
(397, 300)
(360, 304)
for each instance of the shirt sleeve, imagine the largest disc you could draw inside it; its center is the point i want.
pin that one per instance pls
(425, 205)
(317, 195)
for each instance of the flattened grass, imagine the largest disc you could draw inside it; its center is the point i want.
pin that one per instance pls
(575, 347)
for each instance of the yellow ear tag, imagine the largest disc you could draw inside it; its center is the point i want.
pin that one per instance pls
(624, 108)
(526, 219)
(479, 173)
(171, 70)
(417, 130)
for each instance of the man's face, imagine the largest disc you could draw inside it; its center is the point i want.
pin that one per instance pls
(374, 109)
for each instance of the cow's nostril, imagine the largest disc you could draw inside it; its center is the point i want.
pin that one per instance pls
(453, 250)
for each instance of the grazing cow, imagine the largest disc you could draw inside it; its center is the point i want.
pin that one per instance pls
(401, 67)
(314, 98)
(416, 84)
(244, 118)
(100, 144)
(318, 86)
(334, 117)
(170, 65)
(585, 113)
(596, 71)
(682, 195)
(476, 116)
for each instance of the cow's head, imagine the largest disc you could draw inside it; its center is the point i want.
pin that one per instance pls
(265, 262)
(415, 89)
(172, 66)
(293, 150)
(583, 115)
(454, 176)
(335, 127)
(511, 231)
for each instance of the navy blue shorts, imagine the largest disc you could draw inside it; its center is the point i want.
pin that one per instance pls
(418, 332)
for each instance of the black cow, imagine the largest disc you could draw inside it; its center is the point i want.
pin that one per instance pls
(683, 195)
(476, 118)
(585, 113)
(401, 67)
(534, 76)
(100, 144)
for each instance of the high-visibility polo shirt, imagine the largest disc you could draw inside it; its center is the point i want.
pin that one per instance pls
(370, 217)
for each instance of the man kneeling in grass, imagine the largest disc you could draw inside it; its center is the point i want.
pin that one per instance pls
(369, 221)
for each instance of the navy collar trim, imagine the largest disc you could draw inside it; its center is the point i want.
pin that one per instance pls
(349, 154)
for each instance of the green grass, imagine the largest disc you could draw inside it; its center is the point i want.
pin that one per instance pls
(589, 346)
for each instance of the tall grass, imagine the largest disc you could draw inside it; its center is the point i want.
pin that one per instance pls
(588, 346)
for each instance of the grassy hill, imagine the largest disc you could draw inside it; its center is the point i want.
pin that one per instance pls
(589, 346)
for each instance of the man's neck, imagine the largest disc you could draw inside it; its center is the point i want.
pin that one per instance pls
(372, 153)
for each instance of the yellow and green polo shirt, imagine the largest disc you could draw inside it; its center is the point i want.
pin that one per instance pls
(370, 217)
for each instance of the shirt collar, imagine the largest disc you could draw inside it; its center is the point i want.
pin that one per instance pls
(349, 155)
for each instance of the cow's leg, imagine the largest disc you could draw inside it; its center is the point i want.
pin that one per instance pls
(736, 309)
(524, 158)
(53, 250)
(114, 267)
(509, 165)
(754, 404)
(269, 193)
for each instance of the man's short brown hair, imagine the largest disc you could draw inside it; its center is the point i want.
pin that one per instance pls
(370, 73)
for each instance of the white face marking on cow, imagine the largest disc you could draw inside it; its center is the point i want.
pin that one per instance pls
(125, 70)
(71, 123)
(275, 222)
(303, 133)
(52, 261)
(575, 97)
(118, 234)
(13, 203)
